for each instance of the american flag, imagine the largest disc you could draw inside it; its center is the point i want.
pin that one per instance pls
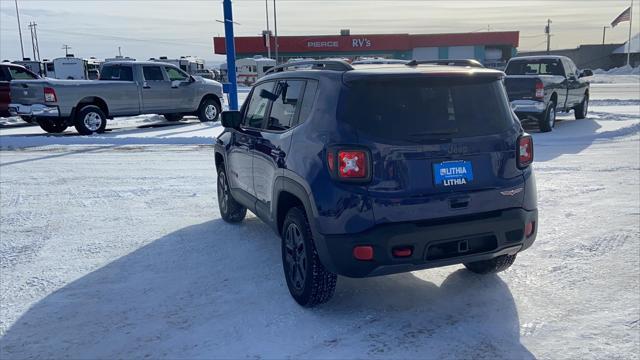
(625, 16)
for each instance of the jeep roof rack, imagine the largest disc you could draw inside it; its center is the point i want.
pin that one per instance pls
(335, 65)
(450, 62)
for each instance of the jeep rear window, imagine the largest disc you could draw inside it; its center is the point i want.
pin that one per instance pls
(410, 110)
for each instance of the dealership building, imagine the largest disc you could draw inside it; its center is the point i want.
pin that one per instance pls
(491, 48)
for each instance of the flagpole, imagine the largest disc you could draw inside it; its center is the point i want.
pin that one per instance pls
(629, 42)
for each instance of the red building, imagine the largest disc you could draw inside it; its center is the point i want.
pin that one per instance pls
(487, 47)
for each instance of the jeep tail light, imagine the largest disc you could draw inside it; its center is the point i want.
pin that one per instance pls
(352, 164)
(50, 95)
(539, 90)
(524, 152)
(349, 164)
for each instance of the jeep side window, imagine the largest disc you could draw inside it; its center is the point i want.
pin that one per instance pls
(257, 106)
(285, 107)
(308, 100)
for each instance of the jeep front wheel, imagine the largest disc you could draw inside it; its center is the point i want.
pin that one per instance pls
(309, 283)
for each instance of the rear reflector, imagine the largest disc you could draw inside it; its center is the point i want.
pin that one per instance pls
(363, 252)
(402, 252)
(528, 229)
(524, 151)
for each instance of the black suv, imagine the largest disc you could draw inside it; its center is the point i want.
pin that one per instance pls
(379, 169)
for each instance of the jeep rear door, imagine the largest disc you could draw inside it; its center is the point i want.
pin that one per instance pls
(440, 146)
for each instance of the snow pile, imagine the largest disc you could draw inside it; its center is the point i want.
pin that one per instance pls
(623, 70)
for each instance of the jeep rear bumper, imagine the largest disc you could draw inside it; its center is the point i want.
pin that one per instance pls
(433, 243)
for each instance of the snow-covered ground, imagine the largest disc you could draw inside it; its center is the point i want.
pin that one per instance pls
(112, 246)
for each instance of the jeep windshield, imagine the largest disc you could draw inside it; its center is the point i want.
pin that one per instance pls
(409, 110)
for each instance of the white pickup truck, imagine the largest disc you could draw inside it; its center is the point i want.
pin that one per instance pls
(124, 89)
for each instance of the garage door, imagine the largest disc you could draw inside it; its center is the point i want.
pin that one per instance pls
(461, 52)
(425, 53)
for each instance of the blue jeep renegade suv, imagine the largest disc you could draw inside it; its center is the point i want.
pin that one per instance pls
(379, 169)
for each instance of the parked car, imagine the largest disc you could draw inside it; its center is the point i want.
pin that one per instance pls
(378, 170)
(125, 88)
(540, 86)
(8, 73)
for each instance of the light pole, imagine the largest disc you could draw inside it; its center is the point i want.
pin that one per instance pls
(275, 29)
(19, 29)
(267, 36)
(231, 55)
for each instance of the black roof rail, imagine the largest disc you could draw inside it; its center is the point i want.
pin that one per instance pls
(335, 65)
(449, 62)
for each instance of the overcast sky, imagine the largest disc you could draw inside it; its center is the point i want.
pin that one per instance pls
(152, 28)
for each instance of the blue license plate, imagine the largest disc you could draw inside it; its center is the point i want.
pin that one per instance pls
(452, 173)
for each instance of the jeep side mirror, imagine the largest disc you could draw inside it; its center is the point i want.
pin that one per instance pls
(231, 119)
(586, 73)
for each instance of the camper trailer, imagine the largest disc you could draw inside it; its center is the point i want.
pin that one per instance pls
(93, 68)
(32, 65)
(119, 58)
(68, 67)
(249, 70)
(189, 64)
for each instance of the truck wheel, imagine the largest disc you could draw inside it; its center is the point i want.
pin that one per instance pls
(90, 120)
(52, 126)
(580, 112)
(548, 119)
(230, 210)
(173, 117)
(491, 266)
(309, 283)
(209, 110)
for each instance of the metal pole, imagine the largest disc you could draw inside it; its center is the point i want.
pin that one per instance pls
(19, 29)
(268, 36)
(35, 33)
(629, 42)
(275, 29)
(33, 42)
(231, 54)
(548, 35)
(604, 32)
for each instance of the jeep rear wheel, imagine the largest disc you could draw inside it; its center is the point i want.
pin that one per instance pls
(491, 266)
(309, 283)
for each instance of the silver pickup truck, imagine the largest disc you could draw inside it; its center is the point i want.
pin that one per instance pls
(124, 89)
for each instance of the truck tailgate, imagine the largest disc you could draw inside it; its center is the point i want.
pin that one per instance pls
(27, 92)
(521, 87)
